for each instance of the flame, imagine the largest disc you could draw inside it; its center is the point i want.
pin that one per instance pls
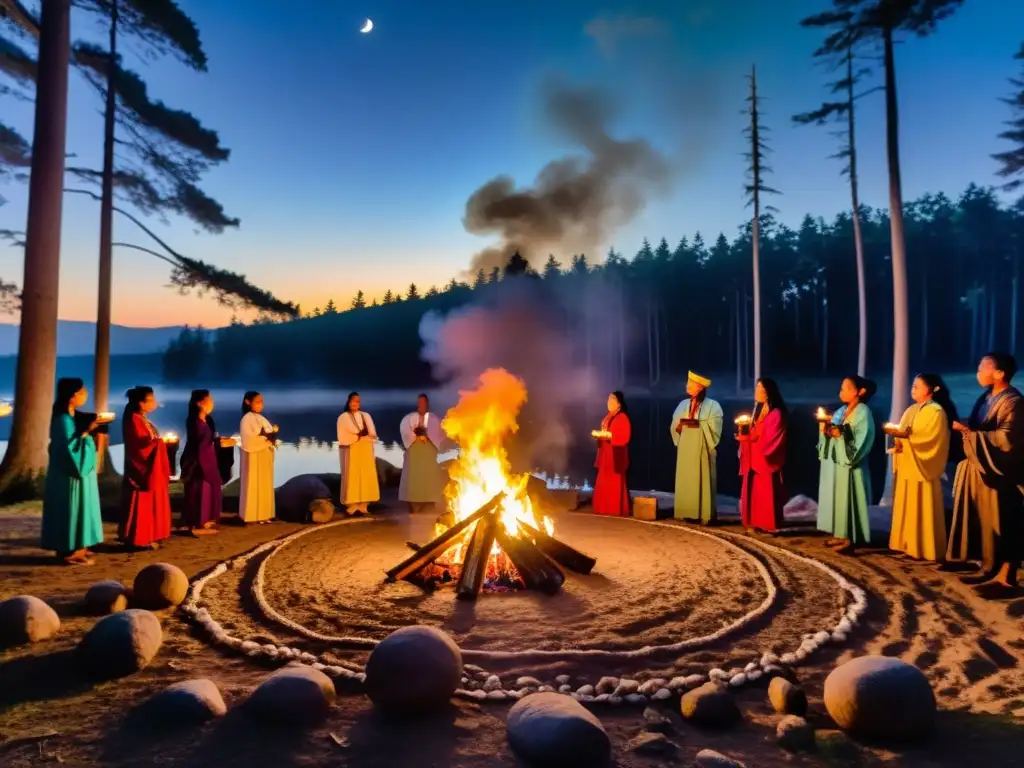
(480, 423)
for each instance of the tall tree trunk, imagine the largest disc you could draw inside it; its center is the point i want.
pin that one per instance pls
(657, 341)
(739, 355)
(650, 345)
(858, 237)
(824, 328)
(1014, 298)
(26, 456)
(101, 375)
(756, 229)
(901, 318)
(924, 313)
(746, 334)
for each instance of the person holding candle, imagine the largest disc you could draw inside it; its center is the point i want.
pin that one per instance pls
(611, 490)
(145, 485)
(920, 451)
(988, 492)
(256, 475)
(696, 429)
(422, 483)
(199, 469)
(356, 436)
(71, 500)
(762, 458)
(844, 487)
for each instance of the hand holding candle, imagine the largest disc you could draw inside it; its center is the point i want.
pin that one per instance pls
(822, 416)
(170, 437)
(895, 431)
(104, 418)
(743, 422)
(6, 409)
(601, 434)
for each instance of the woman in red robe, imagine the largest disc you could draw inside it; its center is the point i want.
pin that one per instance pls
(611, 492)
(762, 458)
(145, 489)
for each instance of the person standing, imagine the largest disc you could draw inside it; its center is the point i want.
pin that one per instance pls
(71, 500)
(988, 491)
(696, 429)
(844, 489)
(145, 486)
(256, 475)
(356, 436)
(918, 463)
(762, 459)
(199, 469)
(422, 484)
(611, 489)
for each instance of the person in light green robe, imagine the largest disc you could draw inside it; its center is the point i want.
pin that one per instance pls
(71, 502)
(844, 488)
(696, 429)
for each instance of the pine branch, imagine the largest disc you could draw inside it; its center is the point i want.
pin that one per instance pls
(17, 63)
(160, 24)
(14, 149)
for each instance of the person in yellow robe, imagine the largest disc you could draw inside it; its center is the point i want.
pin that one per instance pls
(696, 430)
(256, 478)
(919, 461)
(356, 436)
(422, 483)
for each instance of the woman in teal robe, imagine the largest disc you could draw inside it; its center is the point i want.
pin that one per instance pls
(71, 503)
(696, 429)
(844, 488)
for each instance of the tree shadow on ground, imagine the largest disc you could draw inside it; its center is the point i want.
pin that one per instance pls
(41, 678)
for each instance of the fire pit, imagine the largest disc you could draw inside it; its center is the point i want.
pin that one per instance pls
(491, 539)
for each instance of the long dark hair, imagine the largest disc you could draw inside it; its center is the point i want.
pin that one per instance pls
(247, 399)
(348, 403)
(66, 389)
(192, 420)
(773, 397)
(940, 394)
(623, 408)
(869, 387)
(1004, 362)
(136, 396)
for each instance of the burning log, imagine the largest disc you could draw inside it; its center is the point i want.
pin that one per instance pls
(559, 551)
(536, 570)
(434, 549)
(474, 564)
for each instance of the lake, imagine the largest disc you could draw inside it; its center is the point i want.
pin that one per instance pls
(307, 420)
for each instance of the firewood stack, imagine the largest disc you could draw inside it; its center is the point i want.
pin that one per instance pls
(537, 557)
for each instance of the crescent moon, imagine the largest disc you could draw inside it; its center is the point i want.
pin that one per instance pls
(367, 26)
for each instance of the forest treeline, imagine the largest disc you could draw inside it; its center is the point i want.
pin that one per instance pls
(671, 307)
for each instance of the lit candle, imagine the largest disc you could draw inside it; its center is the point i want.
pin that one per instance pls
(105, 416)
(170, 437)
(275, 428)
(890, 426)
(743, 420)
(6, 409)
(822, 415)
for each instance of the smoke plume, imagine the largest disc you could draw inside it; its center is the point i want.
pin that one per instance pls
(576, 202)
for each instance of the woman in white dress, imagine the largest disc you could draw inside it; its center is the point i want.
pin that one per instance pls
(256, 500)
(422, 481)
(356, 436)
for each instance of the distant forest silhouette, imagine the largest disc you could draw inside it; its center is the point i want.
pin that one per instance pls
(669, 308)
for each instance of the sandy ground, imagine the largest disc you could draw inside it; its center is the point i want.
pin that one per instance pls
(971, 650)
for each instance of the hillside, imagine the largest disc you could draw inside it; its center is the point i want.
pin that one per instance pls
(78, 337)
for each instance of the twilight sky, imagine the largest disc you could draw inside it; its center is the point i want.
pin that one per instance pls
(353, 155)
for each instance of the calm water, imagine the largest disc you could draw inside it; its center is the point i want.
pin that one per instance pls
(307, 420)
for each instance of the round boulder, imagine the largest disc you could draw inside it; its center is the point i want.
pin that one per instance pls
(26, 619)
(786, 698)
(160, 585)
(413, 670)
(106, 597)
(549, 729)
(880, 697)
(710, 705)
(794, 733)
(294, 695)
(121, 644)
(186, 703)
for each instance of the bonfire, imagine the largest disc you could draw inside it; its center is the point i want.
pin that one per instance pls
(490, 536)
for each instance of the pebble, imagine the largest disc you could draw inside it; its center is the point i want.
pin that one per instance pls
(563, 679)
(565, 689)
(662, 694)
(654, 720)
(607, 684)
(546, 689)
(710, 706)
(787, 698)
(677, 683)
(626, 687)
(708, 758)
(492, 683)
(738, 680)
(695, 681)
(655, 744)
(527, 681)
(635, 698)
(586, 690)
(496, 695)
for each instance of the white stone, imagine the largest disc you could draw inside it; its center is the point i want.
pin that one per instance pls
(586, 690)
(525, 681)
(750, 667)
(565, 689)
(636, 698)
(626, 687)
(754, 675)
(562, 679)
(607, 684)
(768, 659)
(718, 674)
(546, 689)
(662, 694)
(695, 681)
(737, 681)
(838, 637)
(496, 695)
(492, 683)
(677, 683)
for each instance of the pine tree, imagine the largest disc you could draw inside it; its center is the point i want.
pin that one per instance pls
(316, 311)
(433, 292)
(579, 265)
(413, 294)
(375, 303)
(481, 279)
(516, 265)
(552, 268)
(495, 276)
(330, 308)
(663, 253)
(389, 297)
(1011, 162)
(840, 52)
(645, 254)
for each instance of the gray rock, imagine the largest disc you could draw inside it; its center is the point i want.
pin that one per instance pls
(648, 688)
(565, 689)
(296, 500)
(413, 670)
(187, 702)
(105, 597)
(787, 698)
(492, 683)
(548, 729)
(121, 644)
(526, 681)
(26, 619)
(794, 733)
(709, 706)
(880, 697)
(607, 684)
(159, 585)
(586, 690)
(294, 695)
(563, 679)
(626, 687)
(655, 744)
(662, 694)
(708, 758)
(656, 722)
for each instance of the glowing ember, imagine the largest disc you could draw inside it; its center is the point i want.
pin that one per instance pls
(480, 424)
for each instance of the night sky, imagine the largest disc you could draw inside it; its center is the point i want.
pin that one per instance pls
(353, 155)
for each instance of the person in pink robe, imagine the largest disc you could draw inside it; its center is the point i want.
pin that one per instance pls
(762, 459)
(611, 491)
